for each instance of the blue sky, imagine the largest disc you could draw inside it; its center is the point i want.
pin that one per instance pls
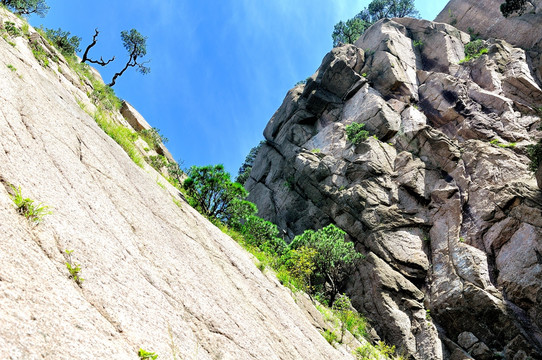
(219, 69)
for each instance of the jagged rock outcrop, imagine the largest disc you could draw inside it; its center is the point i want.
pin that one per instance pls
(157, 275)
(440, 201)
(483, 18)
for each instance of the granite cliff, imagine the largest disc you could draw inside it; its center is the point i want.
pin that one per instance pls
(157, 275)
(439, 198)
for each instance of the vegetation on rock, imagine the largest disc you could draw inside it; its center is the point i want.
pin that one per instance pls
(355, 133)
(73, 268)
(246, 167)
(348, 32)
(335, 257)
(26, 206)
(474, 49)
(513, 6)
(68, 45)
(211, 192)
(136, 45)
(27, 7)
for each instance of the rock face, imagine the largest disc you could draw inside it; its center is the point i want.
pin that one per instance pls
(439, 200)
(483, 17)
(156, 276)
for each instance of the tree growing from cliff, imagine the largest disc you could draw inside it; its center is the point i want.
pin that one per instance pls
(27, 7)
(246, 167)
(514, 6)
(212, 193)
(68, 45)
(335, 257)
(348, 32)
(85, 58)
(263, 234)
(136, 45)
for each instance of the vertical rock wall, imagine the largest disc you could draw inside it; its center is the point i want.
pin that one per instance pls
(438, 199)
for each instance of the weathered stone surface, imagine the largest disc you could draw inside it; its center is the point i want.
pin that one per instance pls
(440, 46)
(449, 222)
(484, 17)
(391, 63)
(156, 275)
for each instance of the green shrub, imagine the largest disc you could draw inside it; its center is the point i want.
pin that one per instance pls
(158, 162)
(123, 136)
(62, 41)
(73, 268)
(212, 193)
(330, 336)
(474, 49)
(26, 207)
(144, 355)
(263, 234)
(335, 257)
(355, 133)
(105, 96)
(12, 29)
(12, 68)
(350, 320)
(301, 265)
(153, 137)
(39, 53)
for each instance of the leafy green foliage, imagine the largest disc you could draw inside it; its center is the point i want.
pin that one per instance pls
(136, 46)
(39, 53)
(26, 7)
(144, 355)
(26, 207)
(348, 32)
(12, 29)
(335, 258)
(212, 193)
(300, 264)
(355, 133)
(499, 144)
(246, 167)
(123, 136)
(382, 9)
(68, 45)
(73, 268)
(330, 336)
(158, 162)
(263, 234)
(381, 350)
(175, 173)
(474, 49)
(153, 137)
(105, 96)
(511, 6)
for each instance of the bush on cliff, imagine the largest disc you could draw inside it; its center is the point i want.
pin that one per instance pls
(26, 7)
(212, 193)
(348, 32)
(335, 257)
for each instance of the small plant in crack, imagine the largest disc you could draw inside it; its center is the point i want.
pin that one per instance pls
(26, 207)
(144, 355)
(73, 268)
